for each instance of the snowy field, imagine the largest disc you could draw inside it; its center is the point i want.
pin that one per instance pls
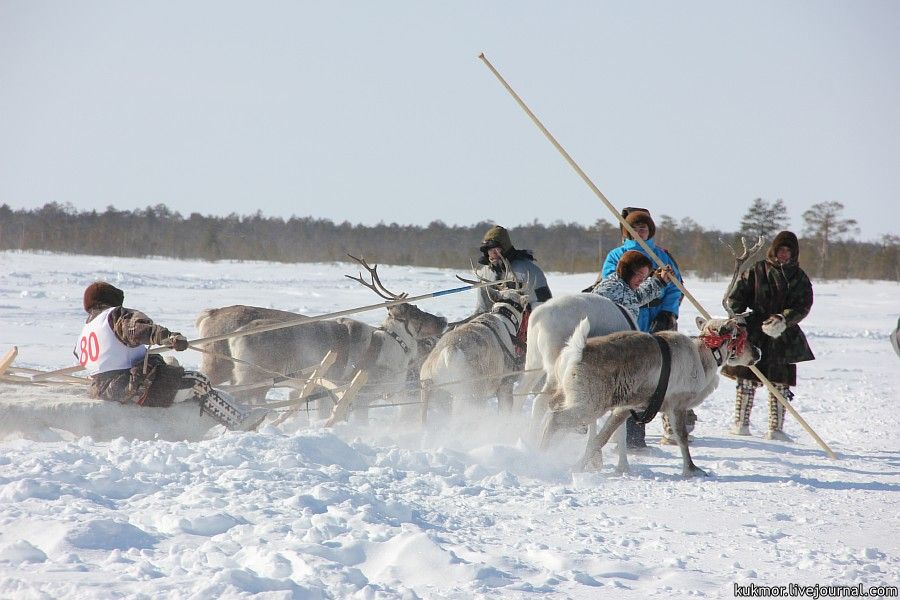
(466, 509)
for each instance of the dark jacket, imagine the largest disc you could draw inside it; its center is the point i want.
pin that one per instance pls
(770, 289)
(158, 385)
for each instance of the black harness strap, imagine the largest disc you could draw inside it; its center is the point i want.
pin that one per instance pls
(659, 393)
(342, 346)
(403, 345)
(506, 313)
(372, 353)
(627, 316)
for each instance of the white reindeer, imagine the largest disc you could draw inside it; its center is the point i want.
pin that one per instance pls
(476, 359)
(551, 325)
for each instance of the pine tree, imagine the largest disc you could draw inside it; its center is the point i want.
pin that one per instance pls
(825, 224)
(764, 219)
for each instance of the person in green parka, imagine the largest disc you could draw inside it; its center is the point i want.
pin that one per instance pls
(779, 295)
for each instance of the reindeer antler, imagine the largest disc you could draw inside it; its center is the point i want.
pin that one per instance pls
(472, 281)
(739, 261)
(376, 285)
(520, 285)
(503, 282)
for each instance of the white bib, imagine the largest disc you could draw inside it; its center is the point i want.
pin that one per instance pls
(99, 350)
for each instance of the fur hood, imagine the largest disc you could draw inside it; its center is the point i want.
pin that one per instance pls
(784, 238)
(511, 255)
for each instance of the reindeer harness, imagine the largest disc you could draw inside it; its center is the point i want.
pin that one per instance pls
(662, 385)
(715, 341)
(398, 339)
(515, 346)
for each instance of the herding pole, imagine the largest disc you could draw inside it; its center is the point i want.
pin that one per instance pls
(637, 238)
(299, 320)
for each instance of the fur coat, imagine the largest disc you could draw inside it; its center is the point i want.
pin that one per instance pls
(158, 385)
(525, 269)
(767, 289)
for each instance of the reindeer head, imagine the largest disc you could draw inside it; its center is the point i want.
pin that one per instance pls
(727, 338)
(418, 323)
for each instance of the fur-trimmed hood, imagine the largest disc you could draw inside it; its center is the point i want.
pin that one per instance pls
(784, 238)
(511, 255)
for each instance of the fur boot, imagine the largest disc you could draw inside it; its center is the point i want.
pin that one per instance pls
(219, 405)
(743, 404)
(668, 438)
(635, 434)
(776, 415)
(222, 407)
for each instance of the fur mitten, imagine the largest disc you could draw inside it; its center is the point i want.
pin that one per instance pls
(774, 326)
(664, 321)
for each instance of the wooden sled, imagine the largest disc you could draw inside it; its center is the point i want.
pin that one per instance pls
(343, 393)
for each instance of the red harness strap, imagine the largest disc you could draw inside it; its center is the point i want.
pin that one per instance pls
(521, 340)
(715, 341)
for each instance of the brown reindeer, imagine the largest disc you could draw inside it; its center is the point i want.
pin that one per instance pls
(385, 352)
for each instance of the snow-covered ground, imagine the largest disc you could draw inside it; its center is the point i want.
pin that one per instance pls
(460, 510)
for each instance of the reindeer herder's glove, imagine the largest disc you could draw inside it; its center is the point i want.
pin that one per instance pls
(664, 321)
(176, 341)
(774, 326)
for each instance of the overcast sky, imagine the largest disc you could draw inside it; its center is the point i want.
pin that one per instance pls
(369, 111)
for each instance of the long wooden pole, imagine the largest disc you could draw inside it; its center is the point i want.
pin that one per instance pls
(637, 238)
(334, 315)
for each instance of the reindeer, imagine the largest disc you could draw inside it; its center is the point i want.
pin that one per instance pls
(478, 356)
(550, 325)
(623, 372)
(216, 361)
(385, 352)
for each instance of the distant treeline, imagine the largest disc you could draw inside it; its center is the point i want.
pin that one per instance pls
(567, 247)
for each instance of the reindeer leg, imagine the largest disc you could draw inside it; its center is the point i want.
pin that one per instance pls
(552, 423)
(680, 426)
(593, 455)
(622, 449)
(539, 410)
(438, 401)
(505, 398)
(425, 398)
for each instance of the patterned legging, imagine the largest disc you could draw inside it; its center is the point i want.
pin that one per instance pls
(194, 386)
(746, 390)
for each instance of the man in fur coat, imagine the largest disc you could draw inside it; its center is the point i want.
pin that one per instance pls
(496, 246)
(112, 348)
(780, 295)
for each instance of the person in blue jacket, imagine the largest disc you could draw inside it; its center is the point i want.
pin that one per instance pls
(659, 315)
